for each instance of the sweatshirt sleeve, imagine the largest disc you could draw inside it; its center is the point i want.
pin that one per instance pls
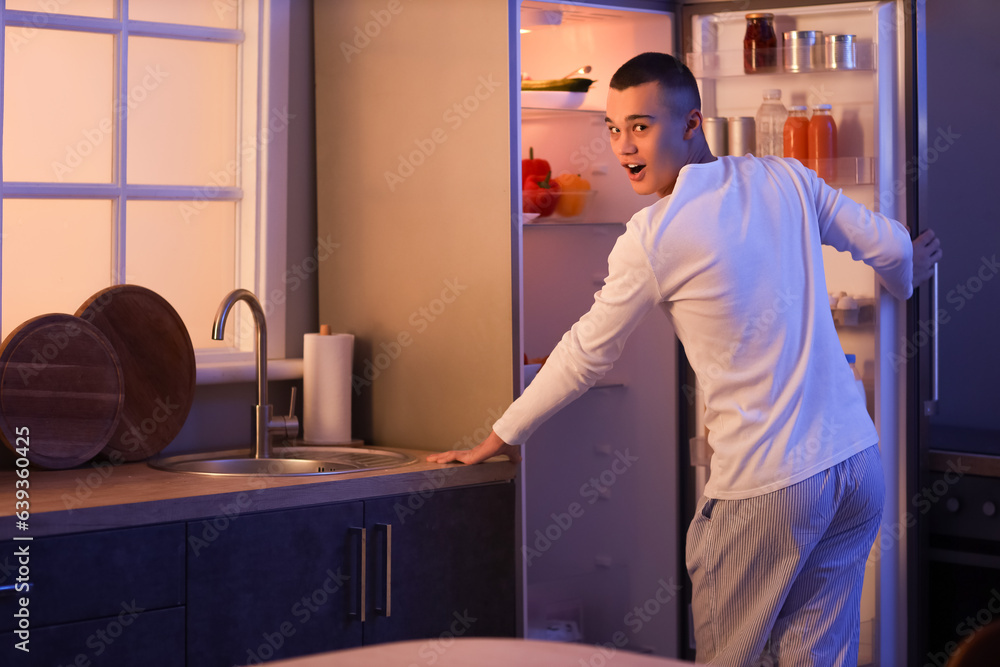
(880, 242)
(589, 349)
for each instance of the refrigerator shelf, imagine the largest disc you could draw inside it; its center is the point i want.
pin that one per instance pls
(569, 222)
(729, 64)
(538, 113)
(847, 170)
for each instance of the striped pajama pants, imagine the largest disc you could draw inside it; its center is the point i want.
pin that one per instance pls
(777, 578)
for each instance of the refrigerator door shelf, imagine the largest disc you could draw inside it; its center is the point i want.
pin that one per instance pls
(729, 63)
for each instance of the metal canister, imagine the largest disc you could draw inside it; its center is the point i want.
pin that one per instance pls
(717, 135)
(803, 50)
(742, 135)
(840, 52)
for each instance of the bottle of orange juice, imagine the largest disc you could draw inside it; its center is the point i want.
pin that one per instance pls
(823, 143)
(795, 135)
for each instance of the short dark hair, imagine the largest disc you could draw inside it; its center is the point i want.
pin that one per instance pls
(673, 76)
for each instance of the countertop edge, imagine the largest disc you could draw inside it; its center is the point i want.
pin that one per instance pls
(237, 497)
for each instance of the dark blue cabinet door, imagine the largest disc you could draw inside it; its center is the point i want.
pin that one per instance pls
(272, 585)
(92, 575)
(130, 638)
(451, 565)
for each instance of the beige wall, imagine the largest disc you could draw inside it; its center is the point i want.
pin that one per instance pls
(413, 170)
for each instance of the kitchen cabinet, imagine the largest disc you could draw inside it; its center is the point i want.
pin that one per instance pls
(452, 565)
(271, 585)
(241, 588)
(281, 584)
(104, 598)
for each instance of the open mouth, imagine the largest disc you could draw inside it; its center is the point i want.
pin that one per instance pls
(635, 168)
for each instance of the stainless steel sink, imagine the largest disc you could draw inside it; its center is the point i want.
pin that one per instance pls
(285, 461)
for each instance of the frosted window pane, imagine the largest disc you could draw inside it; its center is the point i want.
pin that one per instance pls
(214, 14)
(182, 112)
(185, 252)
(56, 255)
(104, 9)
(57, 95)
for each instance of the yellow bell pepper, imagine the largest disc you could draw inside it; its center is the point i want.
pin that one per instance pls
(573, 198)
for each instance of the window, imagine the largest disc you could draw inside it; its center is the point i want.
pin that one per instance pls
(135, 150)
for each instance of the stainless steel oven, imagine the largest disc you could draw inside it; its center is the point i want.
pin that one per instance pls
(962, 503)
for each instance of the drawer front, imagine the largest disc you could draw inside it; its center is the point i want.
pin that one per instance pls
(127, 639)
(962, 505)
(93, 575)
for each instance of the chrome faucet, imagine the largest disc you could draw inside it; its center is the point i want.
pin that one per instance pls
(266, 427)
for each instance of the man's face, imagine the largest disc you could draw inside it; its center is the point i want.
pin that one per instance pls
(648, 137)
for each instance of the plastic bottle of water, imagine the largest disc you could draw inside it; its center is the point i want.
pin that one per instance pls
(770, 122)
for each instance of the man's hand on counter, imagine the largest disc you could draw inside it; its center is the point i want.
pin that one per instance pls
(491, 446)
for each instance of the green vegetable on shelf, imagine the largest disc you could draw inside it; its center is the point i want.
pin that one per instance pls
(573, 85)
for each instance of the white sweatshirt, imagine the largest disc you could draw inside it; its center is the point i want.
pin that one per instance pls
(733, 258)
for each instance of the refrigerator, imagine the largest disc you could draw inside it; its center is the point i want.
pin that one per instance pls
(610, 483)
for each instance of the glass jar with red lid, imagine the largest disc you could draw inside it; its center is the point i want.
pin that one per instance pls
(760, 44)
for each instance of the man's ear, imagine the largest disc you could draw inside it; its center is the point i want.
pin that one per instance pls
(693, 122)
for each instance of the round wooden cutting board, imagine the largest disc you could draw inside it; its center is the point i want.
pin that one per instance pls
(158, 367)
(60, 386)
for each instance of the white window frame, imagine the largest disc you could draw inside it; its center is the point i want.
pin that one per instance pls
(260, 187)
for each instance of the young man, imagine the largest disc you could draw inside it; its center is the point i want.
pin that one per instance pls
(732, 254)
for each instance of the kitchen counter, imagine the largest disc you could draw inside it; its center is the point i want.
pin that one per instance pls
(101, 495)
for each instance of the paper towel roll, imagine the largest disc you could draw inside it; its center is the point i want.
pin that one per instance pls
(326, 388)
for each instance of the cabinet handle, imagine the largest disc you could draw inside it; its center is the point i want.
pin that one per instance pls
(931, 406)
(361, 574)
(386, 608)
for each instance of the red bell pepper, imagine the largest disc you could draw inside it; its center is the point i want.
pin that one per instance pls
(533, 167)
(541, 195)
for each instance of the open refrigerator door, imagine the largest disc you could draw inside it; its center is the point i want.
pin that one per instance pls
(586, 576)
(867, 104)
(600, 557)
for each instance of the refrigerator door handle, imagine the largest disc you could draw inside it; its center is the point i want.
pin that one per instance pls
(931, 405)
